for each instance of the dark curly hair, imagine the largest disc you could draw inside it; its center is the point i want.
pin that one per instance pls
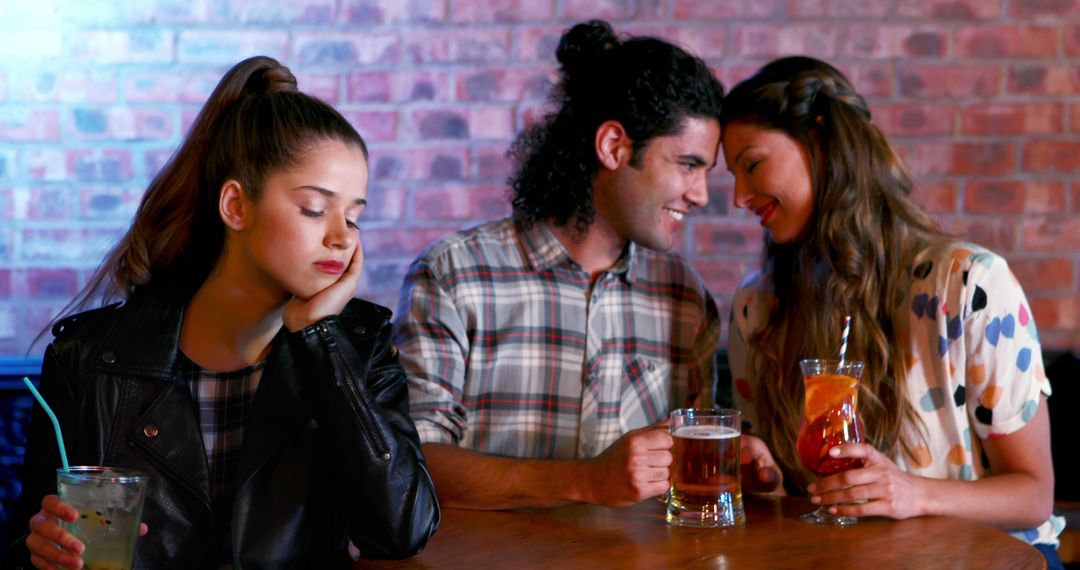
(646, 84)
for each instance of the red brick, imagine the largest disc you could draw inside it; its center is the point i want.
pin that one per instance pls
(727, 237)
(343, 49)
(870, 79)
(386, 243)
(325, 86)
(462, 123)
(1072, 39)
(39, 125)
(994, 119)
(1007, 41)
(706, 42)
(67, 246)
(1056, 313)
(948, 9)
(169, 87)
(954, 81)
(915, 119)
(45, 283)
(374, 126)
(537, 43)
(997, 234)
(1014, 197)
(1044, 9)
(492, 164)
(49, 203)
(1052, 156)
(888, 42)
(187, 118)
(109, 202)
(457, 45)
(454, 202)
(385, 202)
(227, 47)
(612, 10)
(5, 283)
(1044, 79)
(1051, 234)
(961, 158)
(46, 164)
(713, 10)
(1041, 274)
(937, 197)
(722, 276)
(120, 123)
(846, 9)
(419, 164)
(471, 11)
(756, 40)
(393, 11)
(106, 165)
(398, 87)
(381, 280)
(65, 87)
(186, 12)
(103, 47)
(1076, 197)
(508, 85)
(292, 12)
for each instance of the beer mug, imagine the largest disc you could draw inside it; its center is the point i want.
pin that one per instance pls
(705, 489)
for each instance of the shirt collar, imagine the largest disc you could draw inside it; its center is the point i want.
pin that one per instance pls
(545, 251)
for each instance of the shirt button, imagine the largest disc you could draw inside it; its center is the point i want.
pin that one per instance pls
(150, 431)
(108, 357)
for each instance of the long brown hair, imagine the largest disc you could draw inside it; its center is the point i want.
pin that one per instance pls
(254, 124)
(853, 260)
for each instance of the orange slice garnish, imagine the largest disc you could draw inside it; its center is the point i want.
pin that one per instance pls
(826, 392)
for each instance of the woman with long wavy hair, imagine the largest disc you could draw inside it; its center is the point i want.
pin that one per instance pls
(953, 392)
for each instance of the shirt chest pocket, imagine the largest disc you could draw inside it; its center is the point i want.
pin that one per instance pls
(645, 391)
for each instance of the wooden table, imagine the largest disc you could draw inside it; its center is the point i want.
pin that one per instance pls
(583, 536)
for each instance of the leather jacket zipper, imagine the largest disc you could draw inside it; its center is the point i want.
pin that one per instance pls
(363, 412)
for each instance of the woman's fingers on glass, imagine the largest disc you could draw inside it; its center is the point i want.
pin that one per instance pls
(48, 555)
(52, 505)
(44, 529)
(143, 529)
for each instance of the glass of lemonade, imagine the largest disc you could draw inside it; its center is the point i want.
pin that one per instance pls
(705, 488)
(110, 503)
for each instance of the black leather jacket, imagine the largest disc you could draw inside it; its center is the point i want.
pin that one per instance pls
(329, 451)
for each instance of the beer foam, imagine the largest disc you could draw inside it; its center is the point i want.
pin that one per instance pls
(706, 432)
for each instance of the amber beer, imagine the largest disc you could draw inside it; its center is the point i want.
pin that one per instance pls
(705, 487)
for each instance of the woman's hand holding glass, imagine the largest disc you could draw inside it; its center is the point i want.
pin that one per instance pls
(49, 543)
(878, 488)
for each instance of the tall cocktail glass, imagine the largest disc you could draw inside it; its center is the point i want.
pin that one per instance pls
(829, 419)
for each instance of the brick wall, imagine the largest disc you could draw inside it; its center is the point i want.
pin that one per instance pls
(982, 96)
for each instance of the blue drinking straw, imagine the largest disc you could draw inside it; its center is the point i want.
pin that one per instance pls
(52, 416)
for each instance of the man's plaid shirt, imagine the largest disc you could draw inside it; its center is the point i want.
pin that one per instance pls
(509, 352)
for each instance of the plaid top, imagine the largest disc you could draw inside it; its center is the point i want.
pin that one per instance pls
(223, 400)
(510, 351)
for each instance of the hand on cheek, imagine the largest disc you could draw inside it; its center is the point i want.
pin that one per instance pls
(301, 313)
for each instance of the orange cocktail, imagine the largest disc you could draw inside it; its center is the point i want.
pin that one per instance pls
(829, 419)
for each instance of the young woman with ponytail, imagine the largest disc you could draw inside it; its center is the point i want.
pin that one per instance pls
(953, 394)
(267, 404)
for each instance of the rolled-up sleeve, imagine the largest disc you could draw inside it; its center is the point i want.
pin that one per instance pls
(431, 334)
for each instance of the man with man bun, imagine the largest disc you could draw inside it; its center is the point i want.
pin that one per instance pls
(543, 349)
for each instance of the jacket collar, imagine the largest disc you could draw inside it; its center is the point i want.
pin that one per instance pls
(145, 337)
